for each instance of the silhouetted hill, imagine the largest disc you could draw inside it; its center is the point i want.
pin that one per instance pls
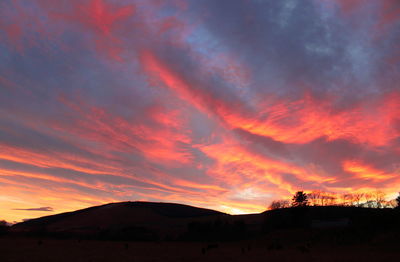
(134, 220)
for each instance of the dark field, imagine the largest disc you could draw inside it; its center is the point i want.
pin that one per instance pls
(45, 249)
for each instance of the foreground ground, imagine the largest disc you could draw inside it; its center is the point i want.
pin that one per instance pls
(45, 249)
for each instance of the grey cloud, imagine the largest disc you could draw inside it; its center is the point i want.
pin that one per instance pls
(47, 209)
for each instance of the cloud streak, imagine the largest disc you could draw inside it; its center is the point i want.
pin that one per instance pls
(47, 209)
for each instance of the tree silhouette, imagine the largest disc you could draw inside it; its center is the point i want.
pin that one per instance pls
(277, 204)
(299, 199)
(314, 197)
(398, 201)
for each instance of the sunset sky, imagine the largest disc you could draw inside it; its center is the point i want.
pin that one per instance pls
(223, 104)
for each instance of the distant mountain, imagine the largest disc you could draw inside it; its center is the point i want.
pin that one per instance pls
(134, 220)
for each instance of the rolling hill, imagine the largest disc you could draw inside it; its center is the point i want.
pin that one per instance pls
(134, 220)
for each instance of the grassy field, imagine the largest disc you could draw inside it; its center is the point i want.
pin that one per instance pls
(44, 249)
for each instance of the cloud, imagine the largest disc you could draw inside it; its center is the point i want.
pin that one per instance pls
(48, 209)
(222, 104)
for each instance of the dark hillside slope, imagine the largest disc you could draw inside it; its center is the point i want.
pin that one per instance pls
(315, 215)
(133, 220)
(331, 225)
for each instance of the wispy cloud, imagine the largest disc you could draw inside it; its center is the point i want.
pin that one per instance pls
(224, 104)
(48, 209)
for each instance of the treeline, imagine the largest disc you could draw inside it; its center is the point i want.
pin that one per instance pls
(375, 199)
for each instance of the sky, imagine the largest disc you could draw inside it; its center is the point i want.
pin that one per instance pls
(226, 104)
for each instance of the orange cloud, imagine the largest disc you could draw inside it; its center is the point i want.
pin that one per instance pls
(305, 120)
(55, 159)
(363, 171)
(163, 144)
(17, 194)
(205, 129)
(235, 165)
(299, 121)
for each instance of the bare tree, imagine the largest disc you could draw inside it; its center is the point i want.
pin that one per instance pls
(374, 199)
(321, 198)
(342, 199)
(277, 204)
(314, 197)
(347, 199)
(357, 198)
(398, 201)
(389, 204)
(330, 199)
(367, 197)
(285, 203)
(379, 198)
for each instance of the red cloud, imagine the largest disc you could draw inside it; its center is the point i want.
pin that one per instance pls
(103, 16)
(366, 172)
(299, 121)
(307, 119)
